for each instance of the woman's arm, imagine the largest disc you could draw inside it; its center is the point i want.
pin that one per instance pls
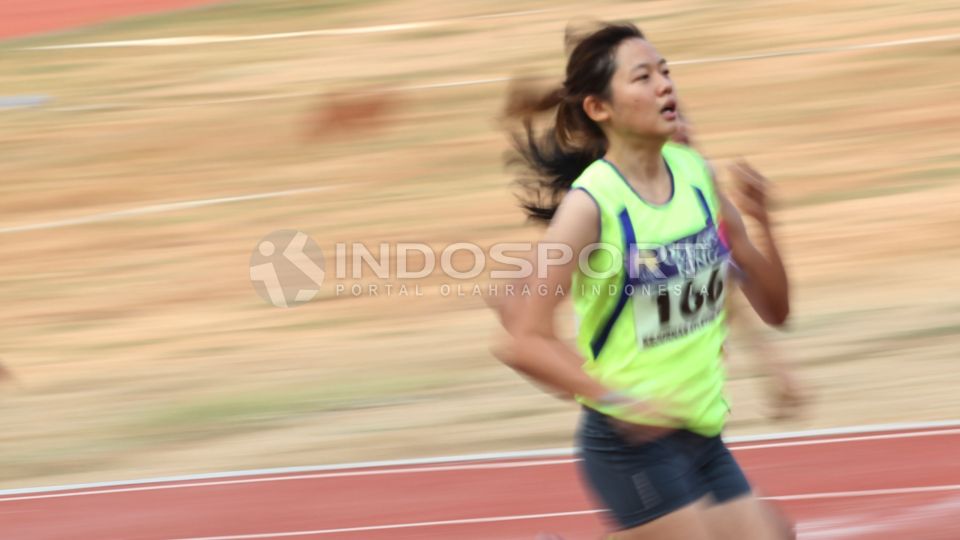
(765, 283)
(535, 350)
(787, 394)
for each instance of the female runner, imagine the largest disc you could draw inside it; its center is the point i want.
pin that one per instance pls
(648, 280)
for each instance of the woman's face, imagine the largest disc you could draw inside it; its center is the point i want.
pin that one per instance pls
(643, 103)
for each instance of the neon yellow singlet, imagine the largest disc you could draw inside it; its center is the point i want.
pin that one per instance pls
(650, 305)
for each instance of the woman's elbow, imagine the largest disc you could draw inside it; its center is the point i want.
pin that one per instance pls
(777, 315)
(512, 351)
(506, 352)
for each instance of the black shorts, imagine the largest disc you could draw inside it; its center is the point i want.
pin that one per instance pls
(642, 482)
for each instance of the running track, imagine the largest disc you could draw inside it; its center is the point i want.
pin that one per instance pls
(20, 18)
(882, 484)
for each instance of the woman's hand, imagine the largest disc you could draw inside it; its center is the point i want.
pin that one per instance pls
(656, 410)
(751, 191)
(787, 395)
(765, 281)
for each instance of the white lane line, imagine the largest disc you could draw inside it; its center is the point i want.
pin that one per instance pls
(885, 436)
(327, 32)
(155, 209)
(805, 496)
(490, 456)
(845, 430)
(380, 472)
(566, 456)
(864, 493)
(451, 84)
(722, 59)
(400, 526)
(823, 50)
(493, 456)
(201, 103)
(492, 80)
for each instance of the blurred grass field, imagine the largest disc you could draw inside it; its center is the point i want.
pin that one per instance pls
(140, 347)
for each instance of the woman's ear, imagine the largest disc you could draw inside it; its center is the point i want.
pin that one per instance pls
(597, 109)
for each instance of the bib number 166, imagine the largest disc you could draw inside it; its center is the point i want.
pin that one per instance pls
(687, 299)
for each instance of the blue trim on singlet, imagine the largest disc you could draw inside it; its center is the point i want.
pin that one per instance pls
(630, 242)
(704, 206)
(738, 273)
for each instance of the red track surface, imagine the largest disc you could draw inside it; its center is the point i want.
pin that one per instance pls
(25, 17)
(890, 485)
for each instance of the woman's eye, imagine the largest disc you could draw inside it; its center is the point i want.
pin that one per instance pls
(666, 73)
(643, 77)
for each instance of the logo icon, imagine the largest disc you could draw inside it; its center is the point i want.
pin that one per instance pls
(286, 268)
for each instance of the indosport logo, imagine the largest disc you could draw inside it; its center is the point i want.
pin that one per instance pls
(286, 268)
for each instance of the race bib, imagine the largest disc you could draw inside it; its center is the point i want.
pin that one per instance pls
(679, 288)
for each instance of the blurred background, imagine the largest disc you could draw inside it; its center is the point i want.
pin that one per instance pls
(141, 164)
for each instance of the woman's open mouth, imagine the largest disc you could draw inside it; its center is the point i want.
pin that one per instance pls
(669, 111)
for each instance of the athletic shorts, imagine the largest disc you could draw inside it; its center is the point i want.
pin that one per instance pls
(642, 481)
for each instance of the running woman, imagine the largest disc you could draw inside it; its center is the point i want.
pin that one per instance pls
(647, 366)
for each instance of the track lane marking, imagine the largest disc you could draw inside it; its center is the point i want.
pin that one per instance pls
(806, 496)
(423, 465)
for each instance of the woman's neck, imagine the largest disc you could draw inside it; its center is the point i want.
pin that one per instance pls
(643, 167)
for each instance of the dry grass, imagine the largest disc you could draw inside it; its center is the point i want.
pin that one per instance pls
(140, 347)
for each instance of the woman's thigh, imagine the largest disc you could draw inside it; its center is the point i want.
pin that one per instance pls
(687, 523)
(746, 518)
(743, 518)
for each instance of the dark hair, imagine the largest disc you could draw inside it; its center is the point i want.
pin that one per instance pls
(552, 159)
